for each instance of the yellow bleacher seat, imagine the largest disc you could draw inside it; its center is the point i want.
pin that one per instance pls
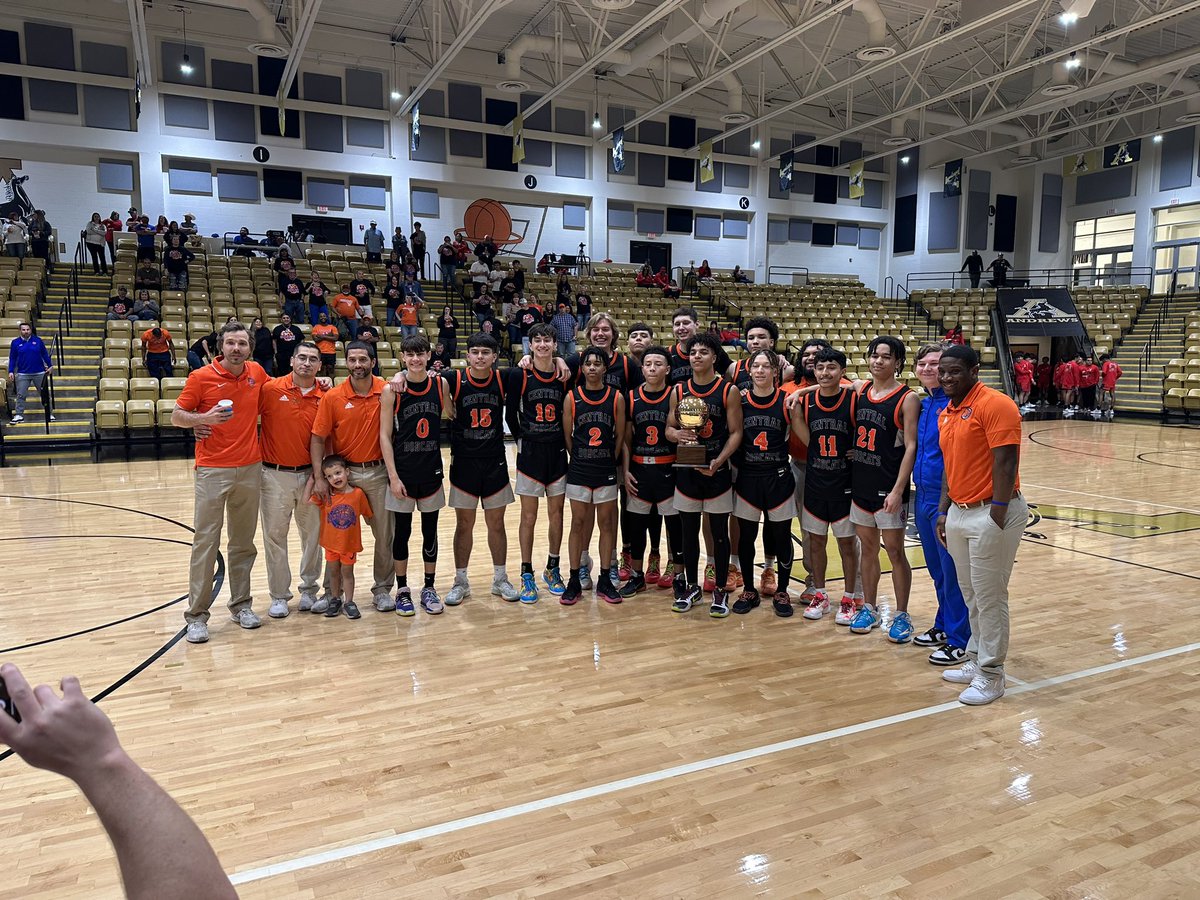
(164, 408)
(119, 328)
(170, 388)
(113, 367)
(1192, 401)
(143, 389)
(114, 389)
(110, 414)
(116, 347)
(140, 413)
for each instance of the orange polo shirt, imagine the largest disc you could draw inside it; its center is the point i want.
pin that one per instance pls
(968, 432)
(326, 337)
(796, 447)
(233, 443)
(159, 344)
(287, 416)
(352, 421)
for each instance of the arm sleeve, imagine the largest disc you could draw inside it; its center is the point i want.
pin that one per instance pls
(189, 398)
(1003, 425)
(323, 424)
(513, 376)
(46, 353)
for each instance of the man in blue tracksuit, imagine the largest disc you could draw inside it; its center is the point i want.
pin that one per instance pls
(951, 627)
(29, 364)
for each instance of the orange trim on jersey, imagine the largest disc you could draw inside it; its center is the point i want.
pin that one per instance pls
(749, 395)
(607, 393)
(695, 391)
(641, 392)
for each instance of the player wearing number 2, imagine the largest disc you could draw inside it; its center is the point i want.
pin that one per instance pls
(885, 449)
(478, 467)
(534, 414)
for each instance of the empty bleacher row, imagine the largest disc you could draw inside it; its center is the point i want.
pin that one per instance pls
(22, 290)
(1181, 376)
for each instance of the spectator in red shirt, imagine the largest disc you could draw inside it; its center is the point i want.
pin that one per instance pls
(1109, 373)
(955, 336)
(1023, 375)
(1089, 377)
(1067, 374)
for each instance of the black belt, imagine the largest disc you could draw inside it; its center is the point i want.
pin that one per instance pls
(367, 465)
(279, 468)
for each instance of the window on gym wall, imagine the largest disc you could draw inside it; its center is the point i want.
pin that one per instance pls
(1176, 248)
(1103, 249)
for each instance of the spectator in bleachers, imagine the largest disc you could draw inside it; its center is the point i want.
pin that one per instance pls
(463, 249)
(285, 337)
(412, 288)
(645, 276)
(486, 251)
(318, 299)
(728, 335)
(16, 234)
(145, 238)
(955, 336)
(162, 226)
(373, 243)
(483, 306)
(291, 295)
(566, 326)
(146, 308)
(704, 273)
(112, 225)
(325, 336)
(158, 353)
(146, 276)
(537, 304)
(517, 275)
(283, 259)
(448, 332)
(671, 290)
(120, 306)
(973, 265)
(410, 312)
(348, 310)
(399, 244)
(41, 233)
(479, 276)
(440, 360)
(369, 335)
(740, 277)
(662, 279)
(202, 351)
(94, 235)
(363, 289)
(134, 220)
(447, 262)
(244, 241)
(393, 296)
(394, 266)
(526, 317)
(583, 307)
(999, 268)
(28, 366)
(189, 226)
(495, 279)
(417, 239)
(262, 344)
(175, 260)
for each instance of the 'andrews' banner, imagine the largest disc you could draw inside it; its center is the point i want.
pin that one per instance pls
(1032, 311)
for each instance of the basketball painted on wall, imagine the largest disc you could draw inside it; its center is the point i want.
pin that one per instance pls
(488, 217)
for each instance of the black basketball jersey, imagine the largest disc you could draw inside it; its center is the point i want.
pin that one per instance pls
(715, 432)
(741, 375)
(621, 373)
(417, 432)
(831, 436)
(477, 430)
(878, 446)
(594, 436)
(541, 401)
(765, 427)
(648, 413)
(681, 369)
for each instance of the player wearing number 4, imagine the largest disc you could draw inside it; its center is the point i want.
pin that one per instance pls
(478, 467)
(593, 418)
(885, 449)
(533, 411)
(410, 430)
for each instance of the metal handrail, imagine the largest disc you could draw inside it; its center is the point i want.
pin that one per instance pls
(787, 270)
(1038, 277)
(1003, 351)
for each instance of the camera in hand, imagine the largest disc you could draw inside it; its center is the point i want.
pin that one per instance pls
(693, 414)
(6, 702)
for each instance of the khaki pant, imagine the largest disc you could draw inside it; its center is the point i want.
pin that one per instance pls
(983, 555)
(223, 493)
(374, 483)
(283, 499)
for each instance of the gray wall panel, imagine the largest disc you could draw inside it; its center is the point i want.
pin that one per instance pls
(1178, 152)
(570, 121)
(433, 103)
(433, 145)
(1107, 184)
(847, 234)
(570, 160)
(232, 76)
(872, 197)
(651, 132)
(104, 59)
(367, 132)
(942, 225)
(737, 176)
(777, 231)
(185, 112)
(327, 192)
(105, 107)
(735, 225)
(234, 122)
(574, 215)
(773, 190)
(186, 176)
(800, 231)
(738, 145)
(804, 182)
(907, 173)
(54, 96)
(708, 227)
(465, 102)
(651, 221)
(51, 46)
(323, 132)
(322, 88)
(463, 143)
(540, 120)
(364, 87)
(979, 193)
(368, 192)
(115, 175)
(425, 202)
(868, 238)
(172, 56)
(538, 153)
(652, 170)
(620, 215)
(1050, 219)
(237, 185)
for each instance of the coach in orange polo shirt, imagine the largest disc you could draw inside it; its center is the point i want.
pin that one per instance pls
(347, 423)
(287, 409)
(228, 474)
(982, 514)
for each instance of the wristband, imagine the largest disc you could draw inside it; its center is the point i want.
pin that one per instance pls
(999, 503)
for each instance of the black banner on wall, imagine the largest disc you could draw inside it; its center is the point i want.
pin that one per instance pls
(1044, 311)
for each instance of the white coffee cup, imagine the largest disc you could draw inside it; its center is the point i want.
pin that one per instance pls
(225, 404)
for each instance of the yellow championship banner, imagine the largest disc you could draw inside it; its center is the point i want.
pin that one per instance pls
(856, 180)
(1082, 163)
(706, 162)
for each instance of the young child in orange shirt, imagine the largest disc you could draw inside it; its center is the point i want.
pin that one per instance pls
(341, 532)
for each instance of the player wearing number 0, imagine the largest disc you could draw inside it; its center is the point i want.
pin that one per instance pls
(764, 488)
(410, 431)
(534, 414)
(710, 489)
(593, 417)
(478, 467)
(885, 449)
(649, 477)
(824, 422)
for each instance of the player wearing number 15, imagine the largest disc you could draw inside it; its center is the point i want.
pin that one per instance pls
(478, 468)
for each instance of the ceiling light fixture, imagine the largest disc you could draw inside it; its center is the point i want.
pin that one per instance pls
(396, 94)
(756, 144)
(1074, 62)
(1158, 139)
(1068, 18)
(185, 66)
(904, 160)
(596, 126)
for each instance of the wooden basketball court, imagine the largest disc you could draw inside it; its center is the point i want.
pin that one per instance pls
(625, 751)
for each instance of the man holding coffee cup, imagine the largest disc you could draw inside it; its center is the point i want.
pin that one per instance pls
(220, 403)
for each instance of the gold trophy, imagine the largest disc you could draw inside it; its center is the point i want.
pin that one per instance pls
(692, 413)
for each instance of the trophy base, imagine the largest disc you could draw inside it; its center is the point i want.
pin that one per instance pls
(690, 456)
